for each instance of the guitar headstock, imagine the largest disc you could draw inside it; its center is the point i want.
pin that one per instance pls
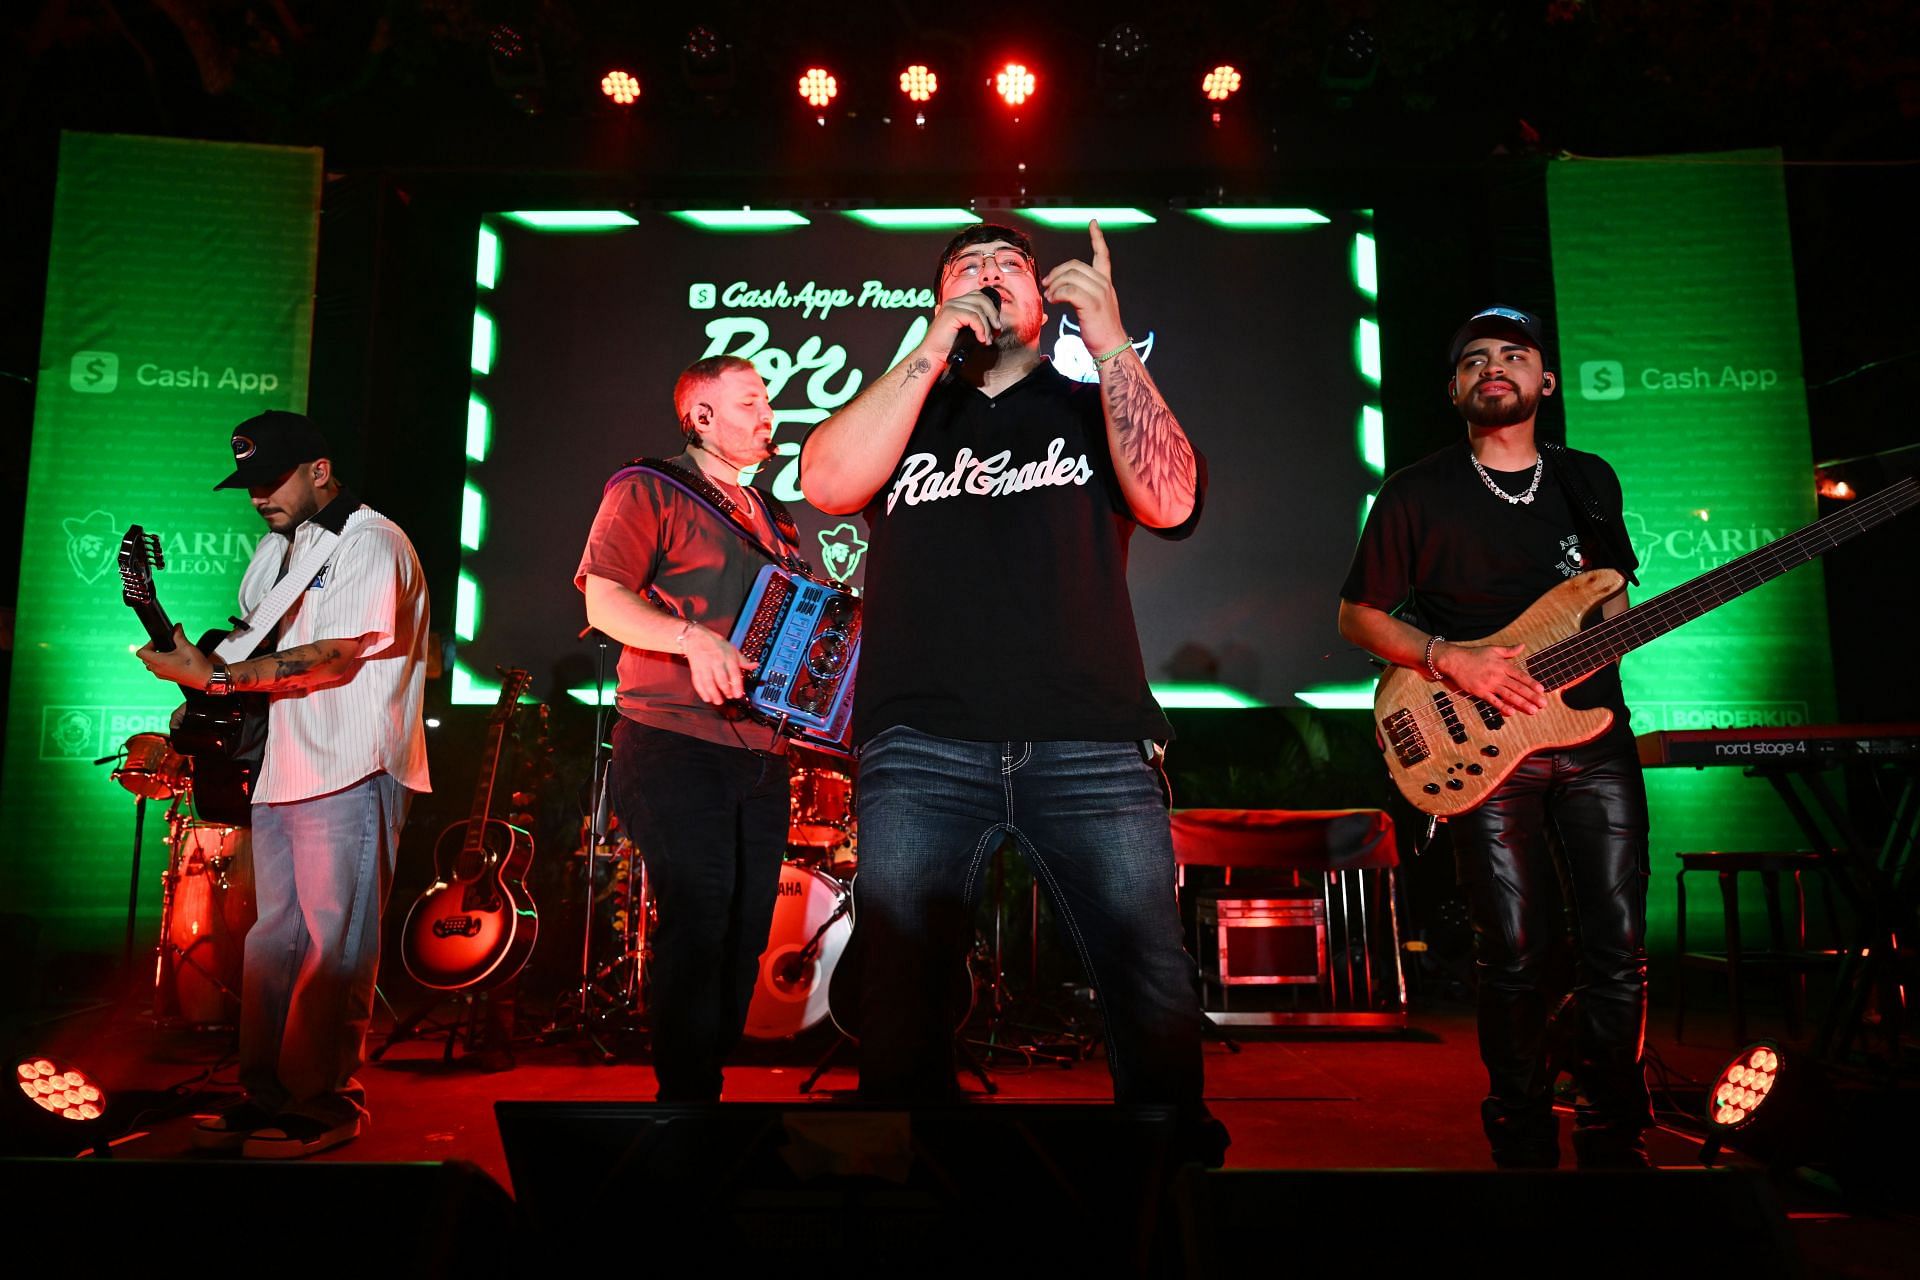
(140, 555)
(514, 682)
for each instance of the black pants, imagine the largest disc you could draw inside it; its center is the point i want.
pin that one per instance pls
(1594, 801)
(711, 823)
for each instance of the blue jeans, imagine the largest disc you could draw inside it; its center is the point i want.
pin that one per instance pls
(711, 822)
(1091, 820)
(321, 871)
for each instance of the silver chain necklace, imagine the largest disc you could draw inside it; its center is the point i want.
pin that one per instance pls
(1514, 499)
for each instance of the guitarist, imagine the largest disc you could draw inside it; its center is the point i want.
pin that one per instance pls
(703, 793)
(344, 671)
(1463, 541)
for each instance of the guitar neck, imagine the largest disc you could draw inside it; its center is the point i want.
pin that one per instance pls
(483, 791)
(1574, 658)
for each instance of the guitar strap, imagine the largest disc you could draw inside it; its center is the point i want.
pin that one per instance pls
(1588, 512)
(265, 616)
(707, 494)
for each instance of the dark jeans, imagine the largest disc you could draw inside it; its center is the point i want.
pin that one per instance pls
(711, 823)
(1091, 819)
(1594, 800)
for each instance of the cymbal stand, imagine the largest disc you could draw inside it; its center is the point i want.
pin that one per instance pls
(1009, 1025)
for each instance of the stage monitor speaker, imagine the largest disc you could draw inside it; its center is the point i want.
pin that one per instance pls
(836, 1190)
(251, 1217)
(1693, 1222)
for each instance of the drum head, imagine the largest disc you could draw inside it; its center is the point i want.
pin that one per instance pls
(153, 769)
(791, 993)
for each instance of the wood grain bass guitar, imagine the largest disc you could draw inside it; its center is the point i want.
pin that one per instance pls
(225, 736)
(476, 924)
(1448, 750)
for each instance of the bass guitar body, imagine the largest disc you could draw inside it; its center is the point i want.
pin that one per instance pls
(1447, 750)
(476, 925)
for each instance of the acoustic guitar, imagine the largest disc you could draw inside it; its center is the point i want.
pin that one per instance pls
(476, 924)
(1448, 750)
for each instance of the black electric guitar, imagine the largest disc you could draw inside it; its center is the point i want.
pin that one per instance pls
(476, 924)
(225, 736)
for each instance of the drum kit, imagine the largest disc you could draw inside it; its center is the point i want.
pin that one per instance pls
(813, 916)
(206, 896)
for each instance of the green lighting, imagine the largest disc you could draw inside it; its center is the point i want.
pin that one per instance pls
(479, 429)
(1261, 219)
(466, 607)
(1203, 695)
(1338, 697)
(742, 219)
(1366, 509)
(1373, 439)
(1366, 275)
(912, 219)
(486, 273)
(1366, 350)
(467, 691)
(482, 355)
(1117, 216)
(572, 219)
(473, 517)
(584, 693)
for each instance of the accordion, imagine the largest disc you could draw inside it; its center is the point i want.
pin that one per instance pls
(805, 636)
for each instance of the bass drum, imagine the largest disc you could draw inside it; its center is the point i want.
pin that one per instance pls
(212, 909)
(812, 920)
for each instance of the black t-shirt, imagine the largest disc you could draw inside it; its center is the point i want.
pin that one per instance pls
(997, 605)
(1459, 562)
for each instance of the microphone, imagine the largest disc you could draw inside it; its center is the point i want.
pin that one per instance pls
(966, 342)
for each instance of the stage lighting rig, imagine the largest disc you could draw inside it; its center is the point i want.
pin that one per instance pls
(1015, 84)
(819, 88)
(61, 1109)
(621, 87)
(1220, 83)
(706, 63)
(919, 83)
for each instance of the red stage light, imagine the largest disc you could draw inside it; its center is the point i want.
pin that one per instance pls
(1220, 83)
(67, 1094)
(818, 87)
(1015, 84)
(918, 83)
(621, 87)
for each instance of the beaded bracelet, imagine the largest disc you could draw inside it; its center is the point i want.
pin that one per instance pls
(1111, 354)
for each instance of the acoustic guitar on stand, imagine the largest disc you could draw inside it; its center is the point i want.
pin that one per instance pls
(1448, 750)
(476, 924)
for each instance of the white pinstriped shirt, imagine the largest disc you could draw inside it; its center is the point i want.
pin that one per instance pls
(321, 740)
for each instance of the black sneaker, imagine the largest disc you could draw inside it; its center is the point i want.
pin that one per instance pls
(229, 1130)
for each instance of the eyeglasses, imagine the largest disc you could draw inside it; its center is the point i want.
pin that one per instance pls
(1011, 263)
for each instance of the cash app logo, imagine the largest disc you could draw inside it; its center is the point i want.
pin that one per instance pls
(94, 372)
(1602, 380)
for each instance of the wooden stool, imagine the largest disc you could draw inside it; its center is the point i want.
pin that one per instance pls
(1734, 960)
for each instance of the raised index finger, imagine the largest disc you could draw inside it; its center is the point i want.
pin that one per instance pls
(1101, 262)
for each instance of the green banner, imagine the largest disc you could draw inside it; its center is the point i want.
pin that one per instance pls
(1680, 360)
(179, 301)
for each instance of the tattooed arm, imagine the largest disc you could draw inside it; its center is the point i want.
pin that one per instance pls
(1151, 454)
(849, 456)
(304, 666)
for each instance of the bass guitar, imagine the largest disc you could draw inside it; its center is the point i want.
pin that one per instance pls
(476, 924)
(1448, 750)
(225, 736)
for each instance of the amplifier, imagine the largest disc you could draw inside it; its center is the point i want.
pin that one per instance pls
(1263, 941)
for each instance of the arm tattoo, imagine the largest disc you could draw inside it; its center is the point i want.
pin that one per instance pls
(1156, 448)
(287, 663)
(917, 368)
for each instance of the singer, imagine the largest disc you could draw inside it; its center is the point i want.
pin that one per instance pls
(1002, 694)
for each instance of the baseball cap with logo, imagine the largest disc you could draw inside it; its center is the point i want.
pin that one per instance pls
(1498, 321)
(268, 445)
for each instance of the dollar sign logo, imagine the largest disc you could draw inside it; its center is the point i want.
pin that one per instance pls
(96, 371)
(1603, 379)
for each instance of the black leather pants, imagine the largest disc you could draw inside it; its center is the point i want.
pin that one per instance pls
(1594, 801)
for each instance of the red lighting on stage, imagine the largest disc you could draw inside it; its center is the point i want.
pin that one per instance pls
(68, 1094)
(621, 87)
(1015, 84)
(1742, 1086)
(818, 87)
(918, 83)
(1220, 83)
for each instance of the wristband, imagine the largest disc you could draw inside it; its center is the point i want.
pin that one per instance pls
(219, 680)
(680, 640)
(1427, 658)
(1099, 360)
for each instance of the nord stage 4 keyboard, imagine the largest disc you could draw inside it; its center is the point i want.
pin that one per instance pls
(1799, 745)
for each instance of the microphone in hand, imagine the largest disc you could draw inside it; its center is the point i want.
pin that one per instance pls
(966, 341)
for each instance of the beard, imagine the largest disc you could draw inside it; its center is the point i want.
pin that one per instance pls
(1517, 407)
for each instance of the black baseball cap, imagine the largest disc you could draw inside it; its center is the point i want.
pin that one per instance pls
(268, 445)
(1501, 321)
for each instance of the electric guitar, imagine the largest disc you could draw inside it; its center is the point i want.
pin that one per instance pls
(476, 924)
(226, 736)
(1448, 750)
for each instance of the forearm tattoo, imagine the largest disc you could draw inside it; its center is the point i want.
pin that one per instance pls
(918, 368)
(1155, 447)
(287, 664)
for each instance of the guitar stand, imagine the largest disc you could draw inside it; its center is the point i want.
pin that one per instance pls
(969, 1062)
(424, 1024)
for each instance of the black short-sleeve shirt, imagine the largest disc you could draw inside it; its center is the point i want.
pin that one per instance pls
(1442, 550)
(997, 605)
